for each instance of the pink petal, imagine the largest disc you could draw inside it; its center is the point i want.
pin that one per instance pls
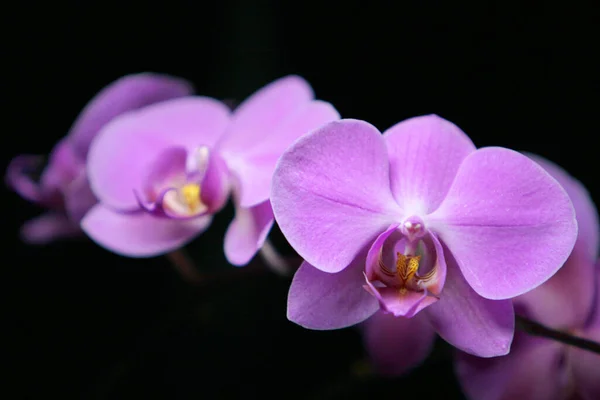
(387, 249)
(79, 198)
(255, 166)
(215, 183)
(49, 227)
(440, 263)
(125, 148)
(507, 222)
(63, 167)
(587, 214)
(127, 93)
(594, 320)
(531, 371)
(425, 154)
(566, 299)
(396, 344)
(169, 166)
(322, 300)
(469, 322)
(18, 176)
(165, 175)
(140, 234)
(586, 368)
(263, 112)
(331, 194)
(586, 364)
(247, 232)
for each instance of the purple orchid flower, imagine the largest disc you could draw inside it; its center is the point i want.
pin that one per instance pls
(396, 345)
(538, 368)
(63, 187)
(418, 220)
(161, 172)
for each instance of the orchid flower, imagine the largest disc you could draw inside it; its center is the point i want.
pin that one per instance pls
(63, 187)
(395, 345)
(418, 221)
(538, 368)
(162, 172)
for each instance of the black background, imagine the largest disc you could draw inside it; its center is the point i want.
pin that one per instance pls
(84, 323)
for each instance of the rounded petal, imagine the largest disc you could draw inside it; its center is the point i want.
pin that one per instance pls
(127, 93)
(331, 194)
(254, 168)
(123, 150)
(530, 371)
(322, 301)
(586, 368)
(469, 322)
(49, 227)
(263, 112)
(566, 299)
(425, 154)
(585, 209)
(247, 232)
(507, 222)
(139, 234)
(396, 344)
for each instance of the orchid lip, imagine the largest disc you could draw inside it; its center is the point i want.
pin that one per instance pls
(404, 275)
(181, 202)
(185, 200)
(178, 193)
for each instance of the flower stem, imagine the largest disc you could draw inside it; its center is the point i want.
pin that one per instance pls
(183, 264)
(275, 261)
(537, 329)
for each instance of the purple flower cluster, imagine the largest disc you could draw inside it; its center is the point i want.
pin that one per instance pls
(148, 164)
(406, 234)
(63, 187)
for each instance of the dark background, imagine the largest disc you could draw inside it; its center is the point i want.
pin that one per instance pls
(84, 323)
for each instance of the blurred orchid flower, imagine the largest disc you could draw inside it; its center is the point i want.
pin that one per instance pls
(63, 187)
(162, 172)
(395, 345)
